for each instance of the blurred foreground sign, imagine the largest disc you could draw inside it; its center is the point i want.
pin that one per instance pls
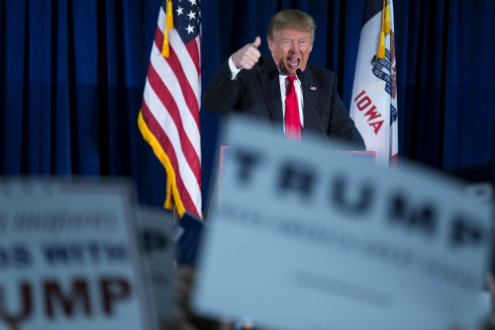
(307, 239)
(68, 257)
(158, 254)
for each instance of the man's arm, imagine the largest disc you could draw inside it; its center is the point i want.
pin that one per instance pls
(224, 90)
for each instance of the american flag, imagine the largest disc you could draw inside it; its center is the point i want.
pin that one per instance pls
(169, 117)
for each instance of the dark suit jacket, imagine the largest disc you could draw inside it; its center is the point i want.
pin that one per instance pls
(257, 93)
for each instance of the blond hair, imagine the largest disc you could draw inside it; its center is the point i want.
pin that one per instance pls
(291, 19)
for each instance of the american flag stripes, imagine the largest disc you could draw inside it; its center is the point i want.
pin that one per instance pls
(169, 117)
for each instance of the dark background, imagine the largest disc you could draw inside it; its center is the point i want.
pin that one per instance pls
(72, 75)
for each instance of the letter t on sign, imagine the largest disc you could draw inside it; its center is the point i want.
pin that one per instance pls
(247, 161)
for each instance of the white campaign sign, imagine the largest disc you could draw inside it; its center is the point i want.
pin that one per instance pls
(156, 230)
(309, 239)
(68, 257)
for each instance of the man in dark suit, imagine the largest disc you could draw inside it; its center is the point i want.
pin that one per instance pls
(282, 87)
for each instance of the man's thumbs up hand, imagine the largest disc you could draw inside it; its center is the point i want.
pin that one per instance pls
(257, 42)
(247, 56)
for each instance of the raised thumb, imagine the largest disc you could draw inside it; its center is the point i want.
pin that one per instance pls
(257, 42)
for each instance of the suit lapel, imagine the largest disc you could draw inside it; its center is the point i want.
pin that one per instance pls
(268, 77)
(311, 89)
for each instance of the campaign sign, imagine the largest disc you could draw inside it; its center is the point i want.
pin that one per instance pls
(156, 228)
(68, 257)
(306, 238)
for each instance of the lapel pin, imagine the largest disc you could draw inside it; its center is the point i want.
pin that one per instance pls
(313, 88)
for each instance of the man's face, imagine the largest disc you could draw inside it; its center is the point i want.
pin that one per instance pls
(290, 50)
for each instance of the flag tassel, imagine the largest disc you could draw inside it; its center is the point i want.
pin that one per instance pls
(168, 26)
(381, 46)
(385, 19)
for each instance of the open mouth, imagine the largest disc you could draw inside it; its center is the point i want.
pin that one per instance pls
(293, 62)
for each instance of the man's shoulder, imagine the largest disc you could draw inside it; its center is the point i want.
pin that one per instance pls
(321, 76)
(320, 72)
(266, 63)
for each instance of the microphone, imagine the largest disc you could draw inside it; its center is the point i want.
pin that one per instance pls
(299, 75)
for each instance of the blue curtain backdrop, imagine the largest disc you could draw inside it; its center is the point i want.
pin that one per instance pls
(72, 74)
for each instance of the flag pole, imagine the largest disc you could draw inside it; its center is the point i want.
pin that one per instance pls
(175, 215)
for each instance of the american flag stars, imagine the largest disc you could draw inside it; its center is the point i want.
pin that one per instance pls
(187, 17)
(191, 15)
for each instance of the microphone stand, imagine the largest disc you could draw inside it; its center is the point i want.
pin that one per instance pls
(299, 74)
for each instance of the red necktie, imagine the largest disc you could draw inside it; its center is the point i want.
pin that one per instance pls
(292, 121)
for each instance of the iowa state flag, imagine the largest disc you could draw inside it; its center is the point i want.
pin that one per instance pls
(374, 93)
